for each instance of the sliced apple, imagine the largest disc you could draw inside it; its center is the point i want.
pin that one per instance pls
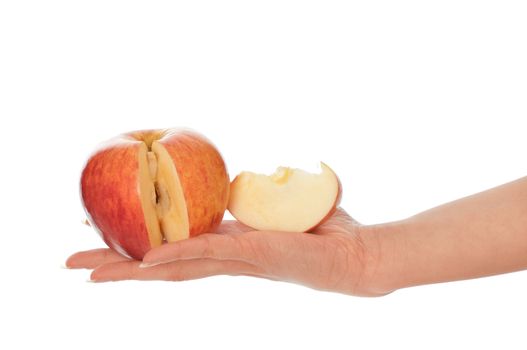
(142, 188)
(290, 200)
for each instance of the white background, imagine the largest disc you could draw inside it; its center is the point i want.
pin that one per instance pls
(413, 103)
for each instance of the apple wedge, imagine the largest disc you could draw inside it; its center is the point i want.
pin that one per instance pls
(290, 200)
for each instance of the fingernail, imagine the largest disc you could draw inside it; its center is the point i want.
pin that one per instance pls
(64, 266)
(144, 265)
(91, 280)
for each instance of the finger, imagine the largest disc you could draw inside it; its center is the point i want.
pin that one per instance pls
(175, 271)
(232, 227)
(205, 246)
(272, 251)
(92, 258)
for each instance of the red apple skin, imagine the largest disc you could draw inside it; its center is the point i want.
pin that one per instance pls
(203, 176)
(109, 192)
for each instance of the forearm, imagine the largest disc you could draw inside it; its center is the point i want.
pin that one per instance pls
(480, 235)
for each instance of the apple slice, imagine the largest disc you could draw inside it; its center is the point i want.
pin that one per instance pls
(290, 200)
(171, 207)
(162, 198)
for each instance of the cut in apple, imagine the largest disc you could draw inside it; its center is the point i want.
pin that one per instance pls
(162, 197)
(290, 200)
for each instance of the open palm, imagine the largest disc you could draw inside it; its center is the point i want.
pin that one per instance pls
(334, 257)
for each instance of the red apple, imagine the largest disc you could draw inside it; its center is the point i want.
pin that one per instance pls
(142, 188)
(288, 200)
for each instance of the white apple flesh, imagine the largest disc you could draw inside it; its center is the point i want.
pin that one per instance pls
(289, 200)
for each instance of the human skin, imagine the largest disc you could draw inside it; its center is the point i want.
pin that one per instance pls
(479, 235)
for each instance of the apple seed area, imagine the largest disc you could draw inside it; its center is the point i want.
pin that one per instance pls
(161, 194)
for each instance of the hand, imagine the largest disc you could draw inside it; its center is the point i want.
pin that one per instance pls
(338, 256)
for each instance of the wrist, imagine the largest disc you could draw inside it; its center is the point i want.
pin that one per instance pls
(384, 269)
